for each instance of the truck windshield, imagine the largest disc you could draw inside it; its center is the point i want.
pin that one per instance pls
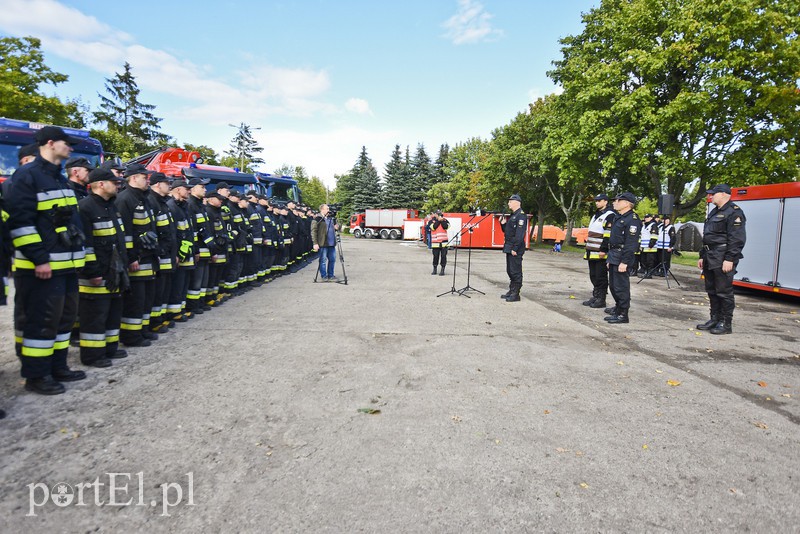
(9, 159)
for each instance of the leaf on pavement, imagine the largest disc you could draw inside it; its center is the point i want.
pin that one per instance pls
(584, 485)
(762, 384)
(620, 362)
(759, 424)
(674, 382)
(659, 371)
(787, 395)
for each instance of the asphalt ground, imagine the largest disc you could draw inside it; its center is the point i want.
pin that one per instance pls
(377, 406)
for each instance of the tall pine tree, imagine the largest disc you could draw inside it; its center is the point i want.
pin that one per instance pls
(124, 116)
(244, 149)
(393, 191)
(421, 173)
(367, 188)
(440, 166)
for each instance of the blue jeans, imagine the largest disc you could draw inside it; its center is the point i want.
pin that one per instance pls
(327, 255)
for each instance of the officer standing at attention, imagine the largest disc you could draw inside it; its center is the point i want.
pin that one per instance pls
(45, 229)
(597, 250)
(723, 240)
(515, 229)
(104, 277)
(623, 244)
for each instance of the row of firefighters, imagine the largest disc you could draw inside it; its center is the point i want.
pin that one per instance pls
(131, 263)
(656, 244)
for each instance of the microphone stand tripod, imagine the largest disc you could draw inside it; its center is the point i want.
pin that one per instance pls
(470, 229)
(453, 289)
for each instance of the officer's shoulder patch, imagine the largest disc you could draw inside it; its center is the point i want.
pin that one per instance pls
(521, 222)
(736, 207)
(633, 229)
(737, 220)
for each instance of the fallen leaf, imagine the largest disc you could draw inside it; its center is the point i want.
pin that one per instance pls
(456, 419)
(63, 430)
(371, 411)
(546, 412)
(572, 296)
(559, 449)
(762, 384)
(645, 446)
(578, 453)
(698, 333)
(732, 490)
(787, 395)
(709, 350)
(584, 485)
(659, 371)
(620, 362)
(769, 398)
(497, 442)
(674, 382)
(759, 424)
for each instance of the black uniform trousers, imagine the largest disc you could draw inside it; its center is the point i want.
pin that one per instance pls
(269, 259)
(198, 286)
(100, 326)
(161, 298)
(136, 305)
(44, 312)
(719, 286)
(514, 269)
(232, 271)
(215, 272)
(439, 256)
(179, 289)
(598, 275)
(620, 284)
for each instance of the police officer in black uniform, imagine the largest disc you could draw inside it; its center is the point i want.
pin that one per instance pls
(723, 240)
(515, 229)
(622, 245)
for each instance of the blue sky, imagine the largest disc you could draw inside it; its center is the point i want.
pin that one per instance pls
(320, 78)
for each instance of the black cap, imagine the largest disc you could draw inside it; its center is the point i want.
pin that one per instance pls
(601, 196)
(720, 188)
(54, 133)
(223, 185)
(197, 181)
(627, 195)
(648, 216)
(28, 150)
(179, 182)
(214, 194)
(515, 197)
(79, 162)
(103, 175)
(110, 164)
(136, 168)
(233, 193)
(158, 177)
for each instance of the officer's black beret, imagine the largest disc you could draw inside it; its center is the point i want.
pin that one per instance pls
(110, 164)
(28, 150)
(214, 194)
(720, 188)
(78, 161)
(627, 195)
(136, 168)
(180, 182)
(197, 181)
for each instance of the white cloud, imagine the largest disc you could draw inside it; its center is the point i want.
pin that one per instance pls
(358, 105)
(536, 93)
(261, 91)
(471, 24)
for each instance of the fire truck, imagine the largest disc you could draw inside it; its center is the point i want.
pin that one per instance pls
(181, 163)
(384, 223)
(771, 256)
(478, 231)
(15, 134)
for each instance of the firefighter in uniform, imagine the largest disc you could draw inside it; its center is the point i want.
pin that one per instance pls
(141, 241)
(622, 246)
(664, 245)
(724, 238)
(167, 251)
(515, 229)
(648, 240)
(597, 250)
(203, 242)
(437, 227)
(78, 169)
(220, 246)
(271, 239)
(253, 260)
(184, 225)
(105, 276)
(45, 229)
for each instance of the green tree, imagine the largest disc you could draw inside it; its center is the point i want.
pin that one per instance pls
(439, 166)
(670, 92)
(123, 115)
(244, 150)
(366, 184)
(344, 193)
(394, 194)
(22, 75)
(209, 155)
(315, 193)
(421, 177)
(465, 163)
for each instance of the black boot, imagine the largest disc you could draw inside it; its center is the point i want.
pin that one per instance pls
(514, 294)
(599, 303)
(620, 318)
(590, 301)
(507, 293)
(441, 271)
(44, 385)
(611, 311)
(723, 327)
(434, 270)
(711, 323)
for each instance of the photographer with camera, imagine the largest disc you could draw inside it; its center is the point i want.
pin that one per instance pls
(323, 235)
(437, 227)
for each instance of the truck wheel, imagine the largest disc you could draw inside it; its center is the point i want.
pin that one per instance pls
(394, 234)
(357, 233)
(368, 233)
(384, 234)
